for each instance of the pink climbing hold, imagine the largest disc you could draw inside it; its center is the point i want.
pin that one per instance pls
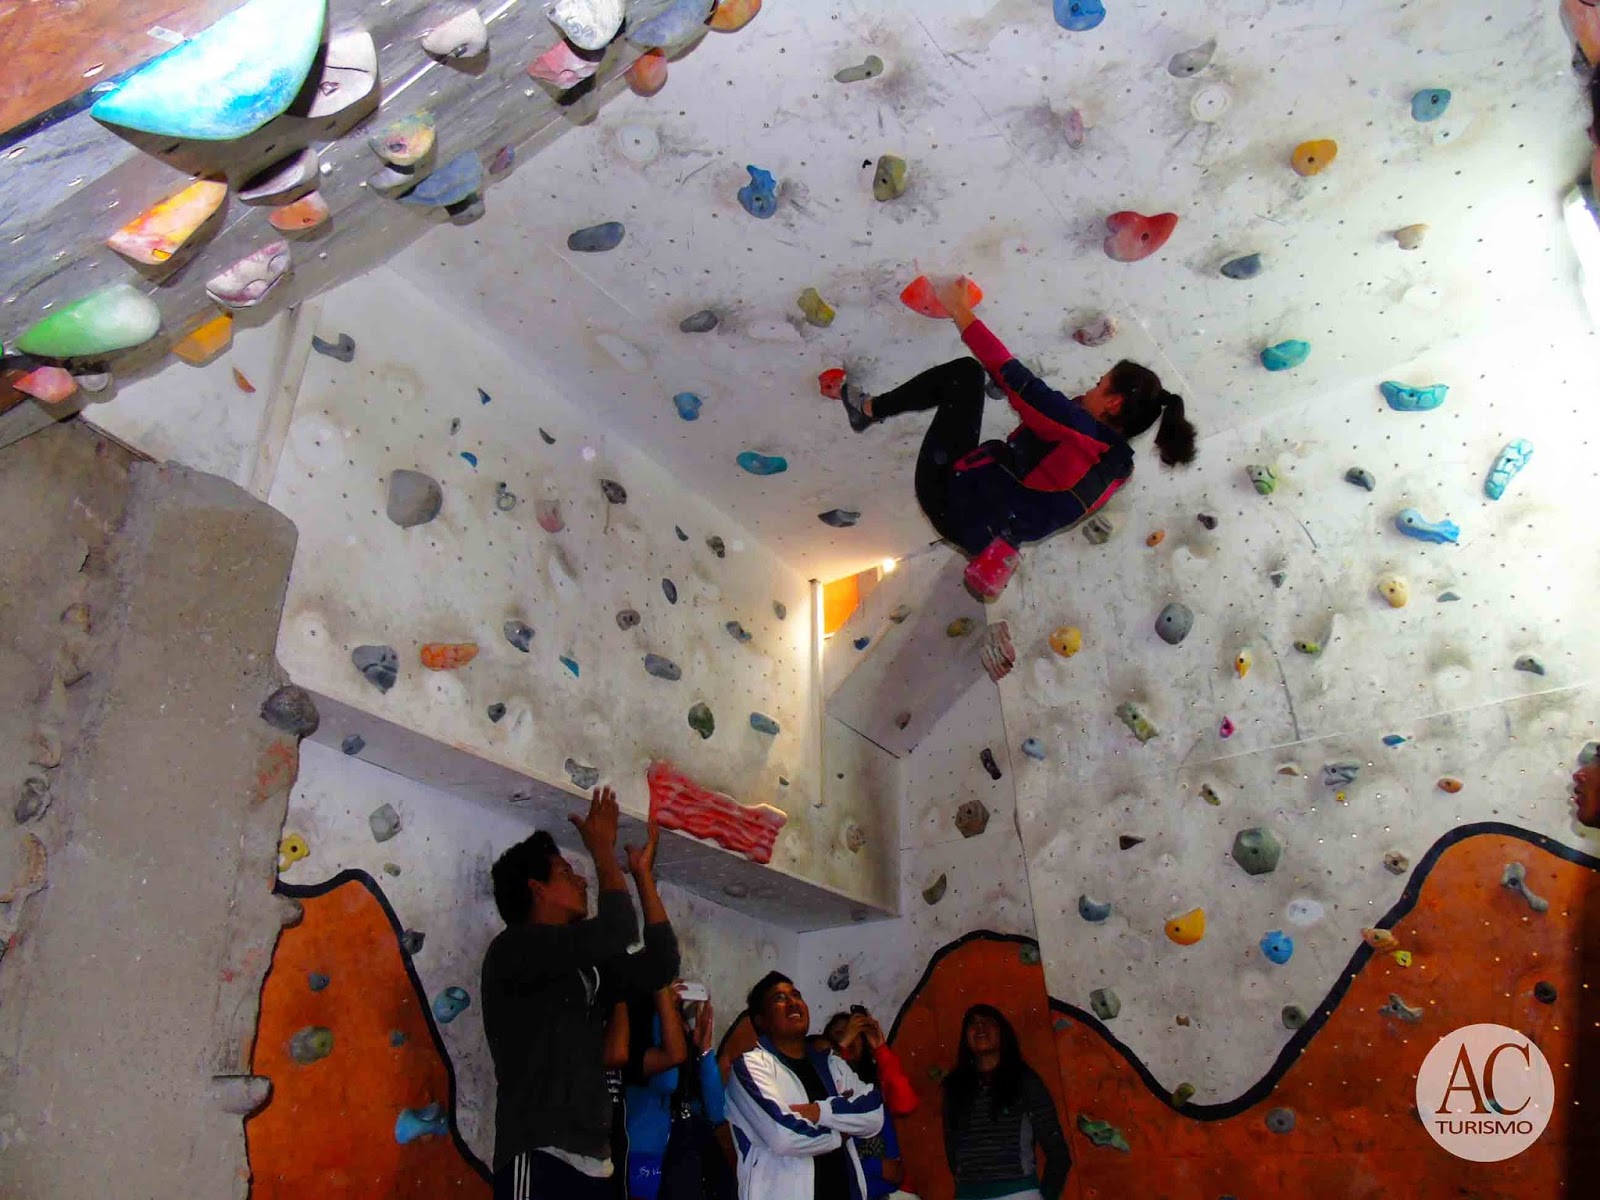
(548, 514)
(996, 651)
(1226, 729)
(1135, 236)
(921, 296)
(1073, 129)
(563, 66)
(48, 385)
(648, 75)
(678, 802)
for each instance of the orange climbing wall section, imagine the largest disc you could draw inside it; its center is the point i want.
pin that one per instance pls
(328, 1131)
(1478, 951)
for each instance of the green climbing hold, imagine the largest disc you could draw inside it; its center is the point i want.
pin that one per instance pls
(1102, 1133)
(1105, 1003)
(1257, 851)
(1028, 954)
(113, 318)
(1294, 1017)
(1182, 1094)
(311, 1044)
(889, 180)
(934, 892)
(701, 720)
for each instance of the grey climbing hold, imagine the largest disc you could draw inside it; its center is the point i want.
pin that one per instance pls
(702, 721)
(414, 498)
(353, 744)
(1174, 622)
(1191, 62)
(390, 868)
(1105, 1003)
(1246, 266)
(311, 1044)
(1515, 878)
(1033, 748)
(1400, 1009)
(548, 440)
(1396, 863)
(1281, 1120)
(1257, 851)
(934, 892)
(839, 978)
(1530, 664)
(1098, 529)
(1207, 520)
(316, 980)
(762, 723)
(497, 712)
(1448, 597)
(717, 546)
(1361, 477)
(613, 491)
(870, 68)
(240, 1095)
(662, 668)
(583, 778)
(1278, 577)
(33, 801)
(292, 710)
(504, 499)
(1544, 992)
(839, 518)
(1339, 773)
(462, 36)
(670, 591)
(1293, 1016)
(411, 940)
(344, 349)
(780, 610)
(703, 321)
(384, 822)
(596, 239)
(519, 634)
(682, 536)
(1128, 841)
(627, 619)
(1093, 911)
(972, 818)
(900, 613)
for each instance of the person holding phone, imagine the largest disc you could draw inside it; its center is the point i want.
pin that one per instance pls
(857, 1038)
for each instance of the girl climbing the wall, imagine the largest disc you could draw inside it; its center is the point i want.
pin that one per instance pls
(1066, 458)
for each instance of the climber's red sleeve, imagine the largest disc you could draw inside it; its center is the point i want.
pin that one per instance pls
(986, 348)
(899, 1097)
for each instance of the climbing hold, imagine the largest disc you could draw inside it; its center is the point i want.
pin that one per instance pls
(889, 180)
(1399, 1008)
(701, 720)
(463, 36)
(818, 312)
(1512, 459)
(1306, 646)
(703, 321)
(390, 868)
(1136, 722)
(1106, 1003)
(1544, 992)
(497, 712)
(411, 940)
(1429, 104)
(1361, 478)
(760, 196)
(1414, 525)
(627, 619)
(662, 668)
(920, 296)
(344, 349)
(670, 591)
(1207, 520)
(247, 282)
(934, 892)
(972, 818)
(470, 458)
(156, 234)
(1277, 946)
(596, 238)
(1189, 928)
(1098, 529)
(429, 1121)
(1257, 851)
(1393, 739)
(292, 710)
(1395, 590)
(1182, 1094)
(1410, 236)
(380, 665)
(1209, 795)
(861, 643)
(613, 491)
(688, 405)
(503, 160)
(1396, 863)
(308, 212)
(1079, 15)
(996, 651)
(48, 385)
(1278, 578)
(548, 513)
(839, 978)
(1033, 748)
(205, 341)
(564, 65)
(35, 799)
(1293, 1016)
(1134, 236)
(226, 81)
(311, 1044)
(588, 24)
(1263, 478)
(1450, 784)
(1096, 332)
(1156, 538)
(1338, 774)
(583, 778)
(281, 181)
(1413, 399)
(504, 499)
(447, 656)
(1125, 842)
(1312, 158)
(1073, 131)
(1515, 877)
(668, 25)
(1530, 664)
(839, 518)
(1380, 939)
(317, 981)
(1281, 1120)
(870, 68)
(1242, 662)
(291, 850)
(854, 838)
(1101, 1133)
(763, 464)
(733, 15)
(762, 723)
(1191, 62)
(113, 318)
(989, 764)
(353, 744)
(1286, 355)
(458, 180)
(1092, 910)
(1174, 622)
(960, 627)
(737, 631)
(1066, 640)
(1246, 266)
(902, 719)
(405, 142)
(384, 822)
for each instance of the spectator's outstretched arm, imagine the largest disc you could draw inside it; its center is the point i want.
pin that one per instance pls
(657, 964)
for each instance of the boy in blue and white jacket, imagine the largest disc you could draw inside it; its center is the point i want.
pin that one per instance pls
(796, 1112)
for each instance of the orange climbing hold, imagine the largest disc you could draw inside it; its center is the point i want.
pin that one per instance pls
(1134, 236)
(207, 341)
(1380, 939)
(733, 15)
(1156, 538)
(1450, 784)
(447, 656)
(242, 382)
(1312, 158)
(305, 213)
(1189, 928)
(648, 75)
(831, 382)
(920, 296)
(156, 234)
(48, 385)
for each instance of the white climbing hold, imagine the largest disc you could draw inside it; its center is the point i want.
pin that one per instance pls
(463, 36)
(588, 24)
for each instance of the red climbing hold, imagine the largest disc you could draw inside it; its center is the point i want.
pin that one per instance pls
(988, 574)
(922, 297)
(1135, 236)
(831, 382)
(648, 75)
(678, 802)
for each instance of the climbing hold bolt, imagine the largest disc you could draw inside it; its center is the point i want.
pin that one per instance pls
(1174, 622)
(1093, 911)
(1515, 878)
(1105, 1003)
(1188, 928)
(1257, 851)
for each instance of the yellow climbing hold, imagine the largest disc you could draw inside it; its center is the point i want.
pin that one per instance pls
(960, 627)
(1312, 158)
(291, 850)
(156, 234)
(817, 310)
(1402, 958)
(207, 341)
(1067, 640)
(1395, 590)
(1242, 662)
(1189, 928)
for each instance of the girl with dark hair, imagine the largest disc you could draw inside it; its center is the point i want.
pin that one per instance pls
(998, 1115)
(1066, 458)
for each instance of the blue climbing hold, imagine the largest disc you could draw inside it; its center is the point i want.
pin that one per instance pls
(762, 723)
(470, 457)
(763, 464)
(484, 397)
(1278, 946)
(737, 631)
(1033, 748)
(1512, 459)
(688, 405)
(1285, 356)
(1247, 266)
(596, 238)
(760, 195)
(1393, 739)
(570, 664)
(1429, 104)
(450, 1004)
(414, 1123)
(316, 981)
(1092, 911)
(1079, 15)
(656, 26)
(670, 589)
(861, 643)
(1414, 525)
(1411, 399)
(452, 183)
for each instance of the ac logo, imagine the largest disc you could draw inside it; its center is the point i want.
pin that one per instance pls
(1485, 1092)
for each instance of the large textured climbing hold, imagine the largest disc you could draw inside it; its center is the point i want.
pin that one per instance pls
(869, 68)
(996, 652)
(839, 978)
(1188, 928)
(1174, 622)
(972, 818)
(1106, 1003)
(1263, 478)
(759, 197)
(427, 1121)
(1078, 15)
(934, 892)
(414, 498)
(1340, 774)
(405, 142)
(228, 80)
(1395, 590)
(1092, 911)
(456, 181)
(839, 518)
(113, 318)
(379, 664)
(1414, 525)
(156, 234)
(763, 464)
(1246, 266)
(1398, 1008)
(648, 74)
(1281, 1120)
(702, 720)
(818, 312)
(666, 24)
(889, 180)
(920, 296)
(462, 36)
(1137, 723)
(1096, 332)
(677, 802)
(703, 321)
(1410, 237)
(447, 656)
(1066, 640)
(1278, 946)
(583, 777)
(596, 239)
(1413, 399)
(1286, 355)
(247, 282)
(311, 1044)
(1134, 236)
(1515, 878)
(662, 668)
(1530, 664)
(1102, 1133)
(1506, 467)
(292, 710)
(1429, 104)
(1293, 1016)
(1257, 851)
(564, 66)
(1361, 478)
(1098, 529)
(308, 212)
(762, 723)
(1190, 62)
(1312, 158)
(48, 385)
(588, 24)
(384, 822)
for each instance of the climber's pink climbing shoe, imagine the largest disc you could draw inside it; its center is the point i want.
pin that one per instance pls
(988, 574)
